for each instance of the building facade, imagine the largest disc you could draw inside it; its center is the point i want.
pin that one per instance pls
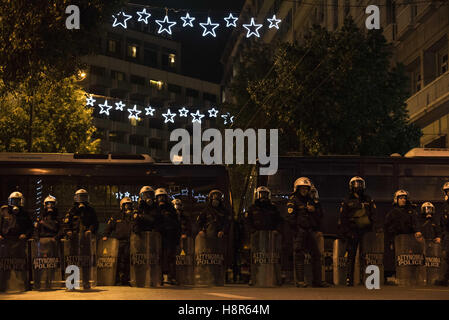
(139, 67)
(418, 31)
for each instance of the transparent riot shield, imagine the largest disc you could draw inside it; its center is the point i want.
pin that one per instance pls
(266, 259)
(80, 250)
(410, 264)
(13, 265)
(308, 268)
(145, 255)
(184, 261)
(340, 263)
(327, 260)
(433, 262)
(46, 264)
(209, 261)
(372, 253)
(107, 252)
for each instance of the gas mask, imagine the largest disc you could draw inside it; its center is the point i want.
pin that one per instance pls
(215, 203)
(15, 204)
(49, 207)
(127, 210)
(161, 200)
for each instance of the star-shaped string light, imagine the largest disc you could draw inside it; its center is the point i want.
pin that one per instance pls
(209, 27)
(183, 112)
(90, 101)
(105, 107)
(231, 21)
(188, 20)
(169, 115)
(119, 106)
(274, 23)
(197, 116)
(143, 16)
(167, 25)
(134, 113)
(149, 111)
(127, 194)
(120, 19)
(212, 113)
(251, 26)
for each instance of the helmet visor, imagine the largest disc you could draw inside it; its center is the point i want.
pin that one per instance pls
(147, 195)
(264, 195)
(81, 197)
(17, 202)
(428, 210)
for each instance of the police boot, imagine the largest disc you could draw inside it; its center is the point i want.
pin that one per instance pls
(299, 275)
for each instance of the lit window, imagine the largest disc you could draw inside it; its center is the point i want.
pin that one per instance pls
(132, 51)
(172, 59)
(156, 84)
(112, 46)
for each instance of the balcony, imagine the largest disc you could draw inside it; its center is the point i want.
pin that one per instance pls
(140, 89)
(405, 22)
(429, 98)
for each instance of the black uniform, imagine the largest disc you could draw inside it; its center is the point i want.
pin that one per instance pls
(357, 216)
(170, 231)
(402, 220)
(305, 223)
(430, 229)
(80, 220)
(213, 220)
(148, 219)
(120, 227)
(184, 223)
(47, 226)
(445, 230)
(12, 225)
(263, 216)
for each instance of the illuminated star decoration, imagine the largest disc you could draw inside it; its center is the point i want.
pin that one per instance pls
(212, 113)
(200, 198)
(105, 107)
(90, 101)
(134, 113)
(121, 23)
(167, 115)
(185, 192)
(227, 117)
(167, 25)
(188, 20)
(119, 106)
(251, 26)
(197, 116)
(274, 23)
(211, 26)
(231, 21)
(149, 111)
(183, 112)
(127, 194)
(143, 16)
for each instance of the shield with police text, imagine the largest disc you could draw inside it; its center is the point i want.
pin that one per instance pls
(433, 262)
(410, 262)
(107, 252)
(209, 261)
(340, 263)
(327, 260)
(145, 256)
(80, 250)
(185, 254)
(372, 253)
(13, 265)
(46, 264)
(266, 259)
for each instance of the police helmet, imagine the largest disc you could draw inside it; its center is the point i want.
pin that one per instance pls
(81, 195)
(303, 181)
(258, 194)
(16, 199)
(427, 208)
(357, 183)
(215, 191)
(50, 199)
(124, 201)
(400, 193)
(146, 192)
(177, 203)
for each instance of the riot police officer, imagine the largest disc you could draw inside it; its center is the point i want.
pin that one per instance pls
(147, 217)
(183, 219)
(263, 215)
(170, 232)
(402, 219)
(48, 225)
(214, 220)
(357, 217)
(304, 215)
(81, 218)
(431, 230)
(119, 227)
(445, 229)
(15, 222)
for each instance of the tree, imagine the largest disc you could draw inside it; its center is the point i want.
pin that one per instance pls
(335, 93)
(61, 122)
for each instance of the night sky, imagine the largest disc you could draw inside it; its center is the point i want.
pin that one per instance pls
(200, 55)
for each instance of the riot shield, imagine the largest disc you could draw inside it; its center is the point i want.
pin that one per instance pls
(372, 253)
(80, 250)
(13, 265)
(107, 252)
(433, 262)
(145, 255)
(410, 266)
(46, 264)
(184, 261)
(266, 259)
(340, 263)
(308, 268)
(327, 260)
(209, 261)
